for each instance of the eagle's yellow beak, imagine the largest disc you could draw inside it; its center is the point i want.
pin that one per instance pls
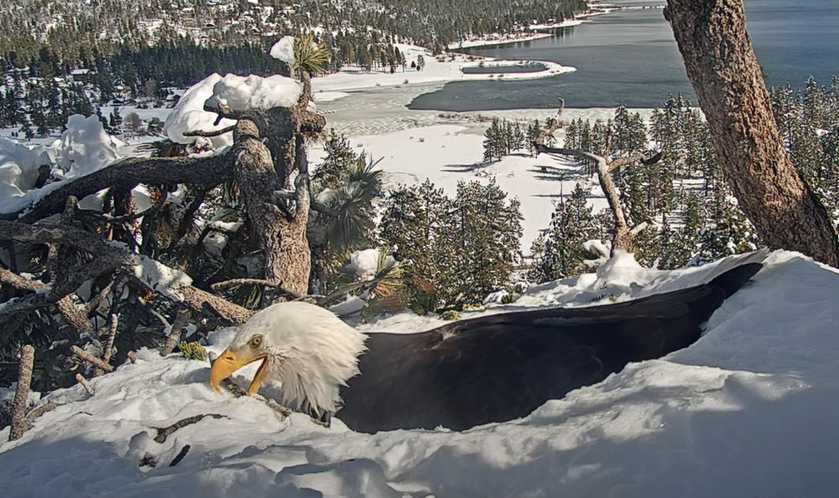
(230, 361)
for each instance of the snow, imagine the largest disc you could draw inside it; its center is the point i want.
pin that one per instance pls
(354, 77)
(446, 154)
(363, 264)
(240, 93)
(236, 92)
(19, 167)
(284, 50)
(160, 278)
(748, 410)
(189, 115)
(83, 148)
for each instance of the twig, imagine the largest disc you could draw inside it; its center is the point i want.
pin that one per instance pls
(18, 282)
(253, 281)
(81, 353)
(180, 456)
(81, 380)
(40, 410)
(99, 297)
(113, 323)
(24, 379)
(176, 333)
(239, 392)
(165, 432)
(208, 134)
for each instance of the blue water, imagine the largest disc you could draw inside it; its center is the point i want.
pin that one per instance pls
(630, 57)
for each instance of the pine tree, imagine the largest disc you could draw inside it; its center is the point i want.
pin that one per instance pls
(559, 252)
(115, 122)
(493, 141)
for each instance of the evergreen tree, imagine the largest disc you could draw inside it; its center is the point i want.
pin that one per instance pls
(559, 252)
(115, 122)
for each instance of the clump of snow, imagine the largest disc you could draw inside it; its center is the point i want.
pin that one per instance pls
(19, 167)
(353, 304)
(240, 93)
(748, 410)
(189, 115)
(284, 50)
(363, 264)
(160, 278)
(84, 147)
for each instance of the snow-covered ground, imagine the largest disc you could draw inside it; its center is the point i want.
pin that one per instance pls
(354, 78)
(448, 154)
(749, 410)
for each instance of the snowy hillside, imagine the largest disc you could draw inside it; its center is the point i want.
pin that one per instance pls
(749, 410)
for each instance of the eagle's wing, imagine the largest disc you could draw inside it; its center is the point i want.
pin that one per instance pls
(501, 367)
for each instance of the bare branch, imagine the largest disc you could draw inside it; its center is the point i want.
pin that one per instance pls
(217, 133)
(81, 380)
(81, 353)
(19, 282)
(176, 333)
(38, 411)
(253, 281)
(113, 323)
(109, 257)
(163, 433)
(21, 400)
(206, 172)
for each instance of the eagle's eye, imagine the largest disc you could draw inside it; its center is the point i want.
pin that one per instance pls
(256, 341)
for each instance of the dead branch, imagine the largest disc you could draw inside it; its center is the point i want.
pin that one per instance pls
(253, 281)
(205, 172)
(113, 323)
(175, 335)
(18, 282)
(108, 258)
(40, 410)
(165, 432)
(210, 134)
(24, 379)
(239, 392)
(623, 234)
(131, 356)
(81, 353)
(83, 382)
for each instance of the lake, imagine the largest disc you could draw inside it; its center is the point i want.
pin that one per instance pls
(630, 57)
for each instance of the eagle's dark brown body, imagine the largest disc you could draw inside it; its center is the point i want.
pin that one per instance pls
(501, 367)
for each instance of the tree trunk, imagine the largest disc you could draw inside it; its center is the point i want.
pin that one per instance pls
(21, 401)
(282, 233)
(728, 81)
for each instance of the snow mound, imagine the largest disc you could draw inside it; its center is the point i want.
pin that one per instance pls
(189, 115)
(85, 147)
(749, 410)
(284, 50)
(363, 264)
(240, 93)
(19, 167)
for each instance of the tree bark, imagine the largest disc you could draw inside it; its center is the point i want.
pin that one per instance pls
(728, 81)
(203, 172)
(19, 405)
(283, 234)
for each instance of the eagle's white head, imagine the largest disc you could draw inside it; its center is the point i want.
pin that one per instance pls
(305, 348)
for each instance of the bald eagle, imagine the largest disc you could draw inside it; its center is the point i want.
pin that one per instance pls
(492, 368)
